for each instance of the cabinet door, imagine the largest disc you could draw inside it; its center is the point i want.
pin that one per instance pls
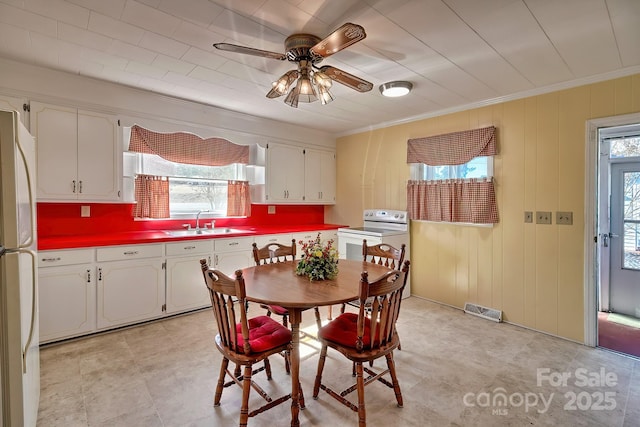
(67, 301)
(186, 289)
(320, 177)
(55, 131)
(285, 173)
(229, 262)
(98, 157)
(129, 291)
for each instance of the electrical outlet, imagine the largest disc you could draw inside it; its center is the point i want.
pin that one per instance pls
(85, 211)
(528, 216)
(271, 209)
(543, 217)
(564, 218)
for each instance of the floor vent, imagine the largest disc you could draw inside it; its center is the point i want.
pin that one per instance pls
(484, 312)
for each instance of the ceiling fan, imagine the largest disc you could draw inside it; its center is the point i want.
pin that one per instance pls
(307, 50)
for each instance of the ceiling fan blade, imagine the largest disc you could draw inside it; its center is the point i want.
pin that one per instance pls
(354, 82)
(249, 51)
(341, 38)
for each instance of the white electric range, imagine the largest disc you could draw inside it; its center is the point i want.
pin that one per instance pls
(378, 226)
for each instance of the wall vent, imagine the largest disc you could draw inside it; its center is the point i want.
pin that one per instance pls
(484, 312)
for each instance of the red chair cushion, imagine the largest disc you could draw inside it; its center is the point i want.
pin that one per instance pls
(343, 330)
(281, 311)
(264, 334)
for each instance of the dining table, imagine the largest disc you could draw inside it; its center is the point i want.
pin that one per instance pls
(278, 284)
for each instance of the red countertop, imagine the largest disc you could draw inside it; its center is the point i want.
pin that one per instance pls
(160, 236)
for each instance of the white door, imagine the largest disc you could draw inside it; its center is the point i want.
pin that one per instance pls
(624, 266)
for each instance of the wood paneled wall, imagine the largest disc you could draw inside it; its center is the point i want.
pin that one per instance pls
(534, 273)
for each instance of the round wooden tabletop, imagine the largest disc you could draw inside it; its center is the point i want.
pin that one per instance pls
(278, 284)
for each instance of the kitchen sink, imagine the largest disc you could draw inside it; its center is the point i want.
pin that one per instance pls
(203, 232)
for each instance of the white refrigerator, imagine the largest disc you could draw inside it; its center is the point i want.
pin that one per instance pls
(19, 352)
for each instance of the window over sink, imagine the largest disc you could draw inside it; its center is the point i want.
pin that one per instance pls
(192, 188)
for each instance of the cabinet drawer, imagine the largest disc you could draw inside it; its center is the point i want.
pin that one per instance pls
(283, 239)
(116, 253)
(64, 257)
(233, 244)
(189, 247)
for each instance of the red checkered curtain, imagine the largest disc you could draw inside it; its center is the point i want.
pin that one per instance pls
(457, 200)
(182, 147)
(455, 148)
(238, 198)
(152, 197)
(460, 200)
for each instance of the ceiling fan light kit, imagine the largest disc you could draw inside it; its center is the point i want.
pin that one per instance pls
(395, 89)
(312, 83)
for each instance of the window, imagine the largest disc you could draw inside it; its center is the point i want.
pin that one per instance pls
(192, 188)
(478, 167)
(625, 147)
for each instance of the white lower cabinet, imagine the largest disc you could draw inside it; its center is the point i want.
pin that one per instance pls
(186, 289)
(67, 294)
(233, 254)
(129, 291)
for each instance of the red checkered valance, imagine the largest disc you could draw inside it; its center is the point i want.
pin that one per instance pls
(454, 200)
(454, 148)
(182, 147)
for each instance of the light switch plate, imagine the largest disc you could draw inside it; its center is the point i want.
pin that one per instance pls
(528, 216)
(564, 218)
(85, 211)
(543, 217)
(271, 209)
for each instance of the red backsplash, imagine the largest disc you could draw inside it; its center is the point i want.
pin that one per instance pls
(63, 219)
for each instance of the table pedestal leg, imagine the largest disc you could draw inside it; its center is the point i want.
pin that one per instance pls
(295, 317)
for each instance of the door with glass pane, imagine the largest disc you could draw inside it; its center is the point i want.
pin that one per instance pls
(625, 239)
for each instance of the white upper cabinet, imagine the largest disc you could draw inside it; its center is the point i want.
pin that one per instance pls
(298, 175)
(15, 104)
(284, 174)
(77, 154)
(320, 176)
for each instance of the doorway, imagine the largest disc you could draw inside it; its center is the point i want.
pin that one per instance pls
(618, 238)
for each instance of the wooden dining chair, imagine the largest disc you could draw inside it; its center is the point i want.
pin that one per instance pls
(366, 336)
(276, 252)
(243, 341)
(381, 254)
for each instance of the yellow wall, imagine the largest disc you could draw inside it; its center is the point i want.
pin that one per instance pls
(534, 273)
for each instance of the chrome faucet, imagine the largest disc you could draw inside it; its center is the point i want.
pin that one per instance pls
(198, 229)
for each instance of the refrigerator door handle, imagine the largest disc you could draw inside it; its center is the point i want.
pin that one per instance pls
(29, 241)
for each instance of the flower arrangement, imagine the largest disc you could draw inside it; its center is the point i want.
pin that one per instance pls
(318, 261)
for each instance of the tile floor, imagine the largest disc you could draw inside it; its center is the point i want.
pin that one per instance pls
(454, 370)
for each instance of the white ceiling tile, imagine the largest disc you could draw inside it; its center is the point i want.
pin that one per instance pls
(145, 70)
(172, 64)
(332, 13)
(103, 58)
(201, 12)
(44, 48)
(207, 74)
(15, 41)
(149, 18)
(197, 36)
(246, 8)
(112, 8)
(625, 17)
(28, 20)
(60, 10)
(114, 28)
(514, 33)
(287, 19)
(581, 32)
(83, 37)
(200, 57)
(164, 45)
(131, 52)
(242, 30)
